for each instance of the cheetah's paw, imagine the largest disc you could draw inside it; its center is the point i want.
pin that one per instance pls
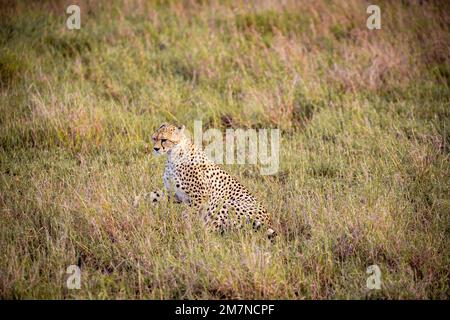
(156, 196)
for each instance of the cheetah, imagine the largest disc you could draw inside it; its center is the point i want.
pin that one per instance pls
(209, 191)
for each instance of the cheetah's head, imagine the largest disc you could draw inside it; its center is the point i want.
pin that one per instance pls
(167, 137)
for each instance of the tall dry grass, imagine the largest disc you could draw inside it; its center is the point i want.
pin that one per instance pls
(364, 161)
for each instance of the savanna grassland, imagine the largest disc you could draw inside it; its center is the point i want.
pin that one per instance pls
(364, 161)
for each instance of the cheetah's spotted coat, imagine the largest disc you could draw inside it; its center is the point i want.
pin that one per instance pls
(195, 180)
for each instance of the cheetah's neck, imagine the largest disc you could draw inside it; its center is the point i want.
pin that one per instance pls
(185, 151)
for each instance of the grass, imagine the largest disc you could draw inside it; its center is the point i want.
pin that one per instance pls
(364, 169)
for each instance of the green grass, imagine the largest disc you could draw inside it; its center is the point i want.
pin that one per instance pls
(364, 165)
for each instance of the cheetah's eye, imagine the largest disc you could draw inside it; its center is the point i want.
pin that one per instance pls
(163, 140)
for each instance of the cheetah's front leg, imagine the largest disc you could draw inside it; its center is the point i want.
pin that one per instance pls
(168, 185)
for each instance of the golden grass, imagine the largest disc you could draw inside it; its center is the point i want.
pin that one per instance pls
(364, 162)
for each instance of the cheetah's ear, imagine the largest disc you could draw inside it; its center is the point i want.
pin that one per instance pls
(163, 125)
(181, 129)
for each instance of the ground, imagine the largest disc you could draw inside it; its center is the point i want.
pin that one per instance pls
(364, 165)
